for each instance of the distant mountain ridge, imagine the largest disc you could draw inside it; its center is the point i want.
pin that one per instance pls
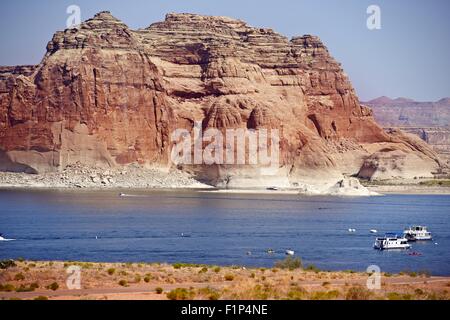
(428, 120)
(404, 112)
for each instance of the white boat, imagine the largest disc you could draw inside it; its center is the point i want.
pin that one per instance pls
(391, 241)
(290, 252)
(4, 239)
(373, 231)
(417, 233)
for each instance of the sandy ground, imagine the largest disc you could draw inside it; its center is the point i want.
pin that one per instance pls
(118, 281)
(410, 189)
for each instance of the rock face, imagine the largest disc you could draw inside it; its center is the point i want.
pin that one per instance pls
(106, 95)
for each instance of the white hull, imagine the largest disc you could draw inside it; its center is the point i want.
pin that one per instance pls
(417, 233)
(388, 243)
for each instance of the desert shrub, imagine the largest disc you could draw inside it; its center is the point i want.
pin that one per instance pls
(123, 283)
(23, 288)
(203, 270)
(41, 298)
(419, 292)
(349, 271)
(229, 277)
(210, 293)
(325, 295)
(53, 286)
(217, 269)
(19, 277)
(5, 264)
(262, 292)
(312, 268)
(111, 271)
(159, 290)
(252, 275)
(180, 294)
(147, 279)
(424, 273)
(7, 287)
(358, 293)
(289, 263)
(297, 293)
(137, 278)
(409, 273)
(398, 296)
(325, 283)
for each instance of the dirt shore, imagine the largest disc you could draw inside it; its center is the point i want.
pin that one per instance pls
(121, 281)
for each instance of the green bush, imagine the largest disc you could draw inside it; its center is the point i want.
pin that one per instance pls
(203, 270)
(180, 294)
(289, 263)
(41, 298)
(111, 271)
(147, 279)
(159, 290)
(217, 269)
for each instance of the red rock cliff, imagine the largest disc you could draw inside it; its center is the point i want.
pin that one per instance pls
(107, 95)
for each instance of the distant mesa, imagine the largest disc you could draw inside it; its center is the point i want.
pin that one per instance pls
(428, 120)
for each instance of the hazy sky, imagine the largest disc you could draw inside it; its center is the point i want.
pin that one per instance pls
(408, 57)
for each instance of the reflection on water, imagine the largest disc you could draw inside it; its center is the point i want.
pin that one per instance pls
(222, 228)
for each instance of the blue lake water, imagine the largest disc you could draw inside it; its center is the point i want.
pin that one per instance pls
(221, 228)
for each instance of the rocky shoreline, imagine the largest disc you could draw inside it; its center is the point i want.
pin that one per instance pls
(137, 177)
(79, 177)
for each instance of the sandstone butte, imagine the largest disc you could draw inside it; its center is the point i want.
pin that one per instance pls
(108, 96)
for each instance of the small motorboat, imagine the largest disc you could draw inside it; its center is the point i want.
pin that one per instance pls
(391, 241)
(272, 188)
(4, 239)
(417, 233)
(373, 231)
(270, 251)
(351, 230)
(290, 252)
